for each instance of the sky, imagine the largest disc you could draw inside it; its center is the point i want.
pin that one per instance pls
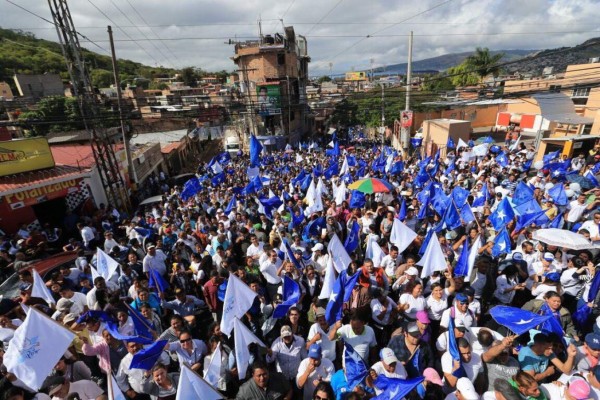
(345, 33)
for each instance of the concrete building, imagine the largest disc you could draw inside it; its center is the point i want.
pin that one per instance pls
(437, 131)
(39, 86)
(5, 91)
(273, 74)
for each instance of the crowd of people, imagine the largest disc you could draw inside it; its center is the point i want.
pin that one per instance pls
(422, 328)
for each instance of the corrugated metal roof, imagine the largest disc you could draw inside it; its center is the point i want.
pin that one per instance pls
(170, 147)
(34, 179)
(559, 107)
(164, 138)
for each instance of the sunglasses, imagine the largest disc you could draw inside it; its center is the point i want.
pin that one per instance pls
(185, 340)
(317, 397)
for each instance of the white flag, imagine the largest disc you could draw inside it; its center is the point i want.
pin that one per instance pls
(402, 236)
(374, 252)
(216, 168)
(238, 299)
(212, 371)
(473, 253)
(340, 193)
(345, 168)
(40, 289)
(481, 149)
(515, 145)
(36, 347)
(338, 253)
(321, 188)
(299, 158)
(114, 392)
(433, 259)
(388, 163)
(331, 131)
(461, 143)
(328, 280)
(243, 337)
(271, 194)
(105, 264)
(192, 386)
(310, 193)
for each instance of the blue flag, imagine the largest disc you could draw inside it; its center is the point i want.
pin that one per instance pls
(147, 357)
(353, 239)
(502, 215)
(190, 189)
(253, 186)
(552, 324)
(502, 160)
(224, 158)
(351, 160)
(482, 197)
(313, 228)
(592, 178)
(218, 179)
(451, 218)
(529, 207)
(299, 178)
(462, 265)
(450, 144)
(357, 199)
(356, 369)
(502, 243)
(516, 320)
(113, 329)
(558, 194)
(141, 324)
(232, 204)
(551, 156)
(527, 165)
(397, 168)
(582, 315)
(341, 292)
(144, 232)
(157, 281)
(538, 218)
(290, 254)
(459, 195)
(297, 218)
(402, 213)
(523, 194)
(453, 349)
(395, 388)
(451, 167)
(426, 241)
(556, 222)
(291, 295)
(331, 171)
(466, 214)
(255, 149)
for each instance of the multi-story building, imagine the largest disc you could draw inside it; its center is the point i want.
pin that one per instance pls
(273, 74)
(38, 86)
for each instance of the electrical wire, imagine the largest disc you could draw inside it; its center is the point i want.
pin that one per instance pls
(123, 31)
(324, 16)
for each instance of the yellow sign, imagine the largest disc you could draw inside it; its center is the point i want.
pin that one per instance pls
(24, 155)
(356, 76)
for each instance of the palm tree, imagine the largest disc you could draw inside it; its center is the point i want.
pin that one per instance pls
(483, 63)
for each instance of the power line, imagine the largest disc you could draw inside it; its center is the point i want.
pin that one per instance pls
(152, 30)
(125, 33)
(140, 31)
(379, 30)
(54, 25)
(324, 16)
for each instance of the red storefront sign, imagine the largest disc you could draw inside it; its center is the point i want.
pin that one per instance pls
(30, 197)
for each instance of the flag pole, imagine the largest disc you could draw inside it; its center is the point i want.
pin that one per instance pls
(143, 322)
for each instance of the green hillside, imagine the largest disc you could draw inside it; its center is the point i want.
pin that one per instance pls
(22, 52)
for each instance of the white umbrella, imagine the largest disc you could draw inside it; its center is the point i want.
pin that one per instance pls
(562, 238)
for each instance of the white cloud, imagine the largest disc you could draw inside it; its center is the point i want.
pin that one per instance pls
(497, 24)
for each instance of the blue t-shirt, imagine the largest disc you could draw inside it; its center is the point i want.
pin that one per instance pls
(339, 383)
(528, 360)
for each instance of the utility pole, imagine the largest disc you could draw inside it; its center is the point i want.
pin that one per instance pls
(131, 171)
(372, 77)
(382, 114)
(405, 131)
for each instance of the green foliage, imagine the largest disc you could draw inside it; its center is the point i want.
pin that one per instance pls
(463, 75)
(324, 78)
(101, 78)
(483, 63)
(53, 114)
(437, 83)
(189, 77)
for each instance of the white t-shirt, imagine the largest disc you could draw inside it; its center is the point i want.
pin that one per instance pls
(254, 250)
(324, 371)
(472, 368)
(79, 302)
(467, 318)
(327, 346)
(86, 390)
(435, 308)
(379, 369)
(442, 341)
(576, 210)
(360, 343)
(414, 305)
(376, 308)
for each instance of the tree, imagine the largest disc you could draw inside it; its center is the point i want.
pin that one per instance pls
(483, 63)
(101, 78)
(463, 75)
(189, 77)
(324, 78)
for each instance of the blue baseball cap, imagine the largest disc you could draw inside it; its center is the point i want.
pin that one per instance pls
(315, 351)
(593, 341)
(461, 297)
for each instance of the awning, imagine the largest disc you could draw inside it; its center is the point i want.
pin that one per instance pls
(559, 107)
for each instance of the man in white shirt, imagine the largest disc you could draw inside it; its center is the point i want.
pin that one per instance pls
(313, 370)
(389, 366)
(390, 262)
(576, 210)
(469, 361)
(152, 262)
(109, 242)
(462, 315)
(592, 226)
(357, 334)
(87, 234)
(269, 269)
(319, 333)
(130, 379)
(255, 249)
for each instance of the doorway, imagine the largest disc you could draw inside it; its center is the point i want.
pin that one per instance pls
(51, 211)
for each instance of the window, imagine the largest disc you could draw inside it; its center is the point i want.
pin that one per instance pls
(581, 92)
(281, 59)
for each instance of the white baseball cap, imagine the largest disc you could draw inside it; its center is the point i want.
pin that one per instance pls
(317, 246)
(387, 356)
(412, 271)
(466, 388)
